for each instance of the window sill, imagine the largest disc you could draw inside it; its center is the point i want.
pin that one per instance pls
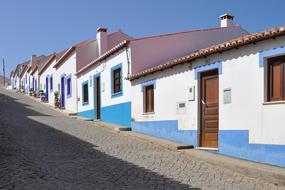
(118, 94)
(274, 103)
(85, 104)
(148, 113)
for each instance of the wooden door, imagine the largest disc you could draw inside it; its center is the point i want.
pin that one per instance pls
(209, 106)
(149, 99)
(98, 98)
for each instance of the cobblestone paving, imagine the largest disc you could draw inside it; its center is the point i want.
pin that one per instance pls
(42, 149)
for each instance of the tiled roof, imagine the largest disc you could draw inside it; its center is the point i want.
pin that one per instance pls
(241, 41)
(111, 51)
(69, 51)
(46, 63)
(24, 70)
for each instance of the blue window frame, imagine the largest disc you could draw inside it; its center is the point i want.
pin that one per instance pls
(68, 86)
(85, 93)
(116, 81)
(51, 83)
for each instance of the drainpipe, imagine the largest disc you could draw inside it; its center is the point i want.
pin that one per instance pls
(128, 60)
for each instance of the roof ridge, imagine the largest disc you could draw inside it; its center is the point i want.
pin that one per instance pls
(184, 32)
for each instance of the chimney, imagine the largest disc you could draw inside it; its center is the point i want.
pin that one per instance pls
(102, 40)
(32, 57)
(227, 20)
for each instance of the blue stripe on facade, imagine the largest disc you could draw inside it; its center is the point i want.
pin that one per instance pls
(119, 114)
(215, 65)
(272, 52)
(235, 143)
(231, 142)
(167, 129)
(89, 114)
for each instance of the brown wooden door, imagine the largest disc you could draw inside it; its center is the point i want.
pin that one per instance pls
(209, 97)
(149, 99)
(98, 98)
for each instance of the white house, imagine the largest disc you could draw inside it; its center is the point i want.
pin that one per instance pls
(47, 79)
(227, 98)
(103, 93)
(111, 97)
(12, 79)
(24, 78)
(64, 73)
(37, 64)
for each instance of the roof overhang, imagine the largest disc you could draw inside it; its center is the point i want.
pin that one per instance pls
(34, 70)
(47, 64)
(64, 56)
(23, 71)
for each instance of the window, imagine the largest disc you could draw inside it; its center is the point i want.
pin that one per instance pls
(117, 86)
(51, 83)
(149, 99)
(276, 79)
(85, 97)
(68, 86)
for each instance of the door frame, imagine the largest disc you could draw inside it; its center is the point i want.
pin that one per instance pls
(47, 88)
(199, 134)
(62, 91)
(95, 77)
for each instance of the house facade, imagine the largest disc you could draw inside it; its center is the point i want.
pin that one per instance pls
(48, 82)
(103, 94)
(227, 98)
(64, 75)
(12, 79)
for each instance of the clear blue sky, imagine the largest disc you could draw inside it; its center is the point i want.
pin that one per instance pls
(44, 26)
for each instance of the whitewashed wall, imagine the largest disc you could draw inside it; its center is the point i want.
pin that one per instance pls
(241, 73)
(47, 73)
(67, 68)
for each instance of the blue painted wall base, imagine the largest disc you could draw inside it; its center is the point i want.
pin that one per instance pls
(166, 129)
(231, 142)
(119, 114)
(89, 114)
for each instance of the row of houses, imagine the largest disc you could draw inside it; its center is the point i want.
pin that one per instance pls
(219, 89)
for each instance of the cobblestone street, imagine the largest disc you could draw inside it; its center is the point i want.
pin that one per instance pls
(44, 149)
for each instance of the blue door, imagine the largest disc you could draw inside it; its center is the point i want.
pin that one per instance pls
(33, 85)
(46, 88)
(36, 86)
(62, 101)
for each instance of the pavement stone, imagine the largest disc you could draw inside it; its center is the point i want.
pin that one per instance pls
(44, 149)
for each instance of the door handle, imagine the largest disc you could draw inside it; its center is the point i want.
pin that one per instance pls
(204, 103)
